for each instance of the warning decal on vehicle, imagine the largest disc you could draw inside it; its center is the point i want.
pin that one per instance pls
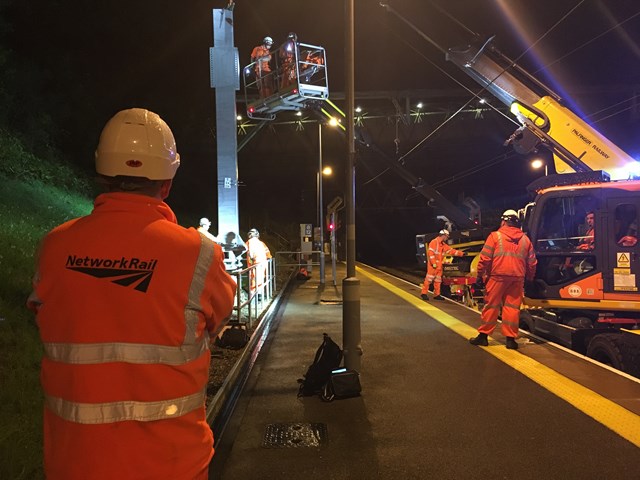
(623, 260)
(624, 280)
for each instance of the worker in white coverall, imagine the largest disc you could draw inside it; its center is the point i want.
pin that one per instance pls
(258, 254)
(204, 229)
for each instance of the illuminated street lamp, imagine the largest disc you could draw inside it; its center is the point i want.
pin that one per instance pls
(537, 163)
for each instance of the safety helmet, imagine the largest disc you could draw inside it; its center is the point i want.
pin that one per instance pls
(254, 233)
(204, 221)
(510, 216)
(137, 143)
(444, 231)
(267, 41)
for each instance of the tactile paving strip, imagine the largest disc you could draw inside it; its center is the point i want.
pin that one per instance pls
(293, 435)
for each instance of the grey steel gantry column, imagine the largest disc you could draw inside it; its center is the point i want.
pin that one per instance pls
(225, 79)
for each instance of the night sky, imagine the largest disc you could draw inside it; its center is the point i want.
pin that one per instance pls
(105, 56)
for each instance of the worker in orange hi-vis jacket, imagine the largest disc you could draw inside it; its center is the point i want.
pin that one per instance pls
(436, 251)
(261, 55)
(588, 240)
(288, 60)
(507, 260)
(257, 254)
(126, 301)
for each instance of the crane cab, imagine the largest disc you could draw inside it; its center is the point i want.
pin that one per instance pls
(291, 78)
(586, 277)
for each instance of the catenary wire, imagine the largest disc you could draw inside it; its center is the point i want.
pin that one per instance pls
(493, 161)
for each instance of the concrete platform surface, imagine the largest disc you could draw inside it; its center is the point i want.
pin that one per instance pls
(432, 406)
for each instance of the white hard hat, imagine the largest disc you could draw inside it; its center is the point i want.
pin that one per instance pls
(510, 215)
(137, 143)
(267, 40)
(204, 221)
(444, 231)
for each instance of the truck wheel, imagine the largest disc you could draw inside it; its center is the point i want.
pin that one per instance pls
(604, 348)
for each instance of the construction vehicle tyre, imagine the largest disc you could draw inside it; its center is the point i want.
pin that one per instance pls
(604, 348)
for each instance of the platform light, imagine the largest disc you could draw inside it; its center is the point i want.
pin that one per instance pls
(239, 118)
(538, 163)
(358, 109)
(483, 101)
(419, 105)
(252, 109)
(298, 113)
(327, 171)
(333, 122)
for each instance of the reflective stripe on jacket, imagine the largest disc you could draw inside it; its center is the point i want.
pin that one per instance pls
(257, 251)
(261, 55)
(437, 250)
(507, 252)
(126, 300)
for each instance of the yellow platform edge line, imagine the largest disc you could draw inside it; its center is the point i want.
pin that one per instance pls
(613, 416)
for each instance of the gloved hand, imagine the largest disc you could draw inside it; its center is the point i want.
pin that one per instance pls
(434, 265)
(479, 283)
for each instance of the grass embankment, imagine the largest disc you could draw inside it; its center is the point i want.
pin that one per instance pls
(35, 196)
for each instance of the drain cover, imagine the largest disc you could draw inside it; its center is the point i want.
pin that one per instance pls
(292, 435)
(324, 301)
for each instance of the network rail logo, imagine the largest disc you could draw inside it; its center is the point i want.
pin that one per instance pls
(127, 272)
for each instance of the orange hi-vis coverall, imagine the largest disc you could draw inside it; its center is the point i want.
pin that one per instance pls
(257, 254)
(288, 64)
(262, 55)
(507, 259)
(436, 251)
(588, 242)
(126, 300)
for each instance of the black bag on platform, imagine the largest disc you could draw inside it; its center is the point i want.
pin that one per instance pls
(342, 383)
(328, 358)
(235, 337)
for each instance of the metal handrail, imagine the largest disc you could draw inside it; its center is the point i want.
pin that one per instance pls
(255, 302)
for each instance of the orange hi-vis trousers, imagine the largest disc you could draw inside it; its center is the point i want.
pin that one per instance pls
(505, 292)
(434, 275)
